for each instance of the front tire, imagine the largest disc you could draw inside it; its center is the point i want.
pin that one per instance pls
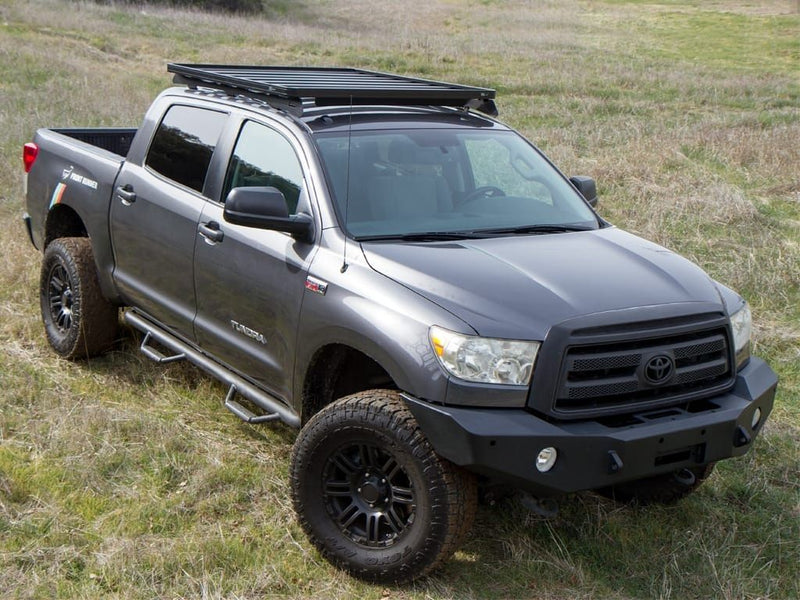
(78, 320)
(372, 495)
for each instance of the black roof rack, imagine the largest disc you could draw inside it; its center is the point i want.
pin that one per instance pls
(288, 87)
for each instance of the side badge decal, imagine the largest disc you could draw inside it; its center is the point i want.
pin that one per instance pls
(316, 285)
(251, 333)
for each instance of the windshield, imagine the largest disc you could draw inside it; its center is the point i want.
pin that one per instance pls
(447, 182)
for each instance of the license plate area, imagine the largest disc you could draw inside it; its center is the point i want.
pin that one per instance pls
(695, 453)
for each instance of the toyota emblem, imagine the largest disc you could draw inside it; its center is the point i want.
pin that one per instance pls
(659, 369)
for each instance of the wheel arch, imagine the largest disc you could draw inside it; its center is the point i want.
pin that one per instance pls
(336, 370)
(63, 221)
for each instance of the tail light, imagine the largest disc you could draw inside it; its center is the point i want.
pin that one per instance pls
(29, 153)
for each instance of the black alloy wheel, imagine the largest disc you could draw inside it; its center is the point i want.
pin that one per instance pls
(368, 494)
(78, 320)
(60, 297)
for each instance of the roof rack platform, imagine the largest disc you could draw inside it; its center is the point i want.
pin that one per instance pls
(288, 87)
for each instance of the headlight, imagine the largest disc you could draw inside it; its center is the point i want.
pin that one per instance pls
(741, 325)
(484, 360)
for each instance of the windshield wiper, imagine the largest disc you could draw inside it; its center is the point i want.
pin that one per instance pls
(438, 236)
(426, 236)
(545, 228)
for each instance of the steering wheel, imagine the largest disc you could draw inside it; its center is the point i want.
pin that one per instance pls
(485, 191)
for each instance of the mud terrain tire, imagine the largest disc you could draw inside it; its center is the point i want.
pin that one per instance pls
(372, 495)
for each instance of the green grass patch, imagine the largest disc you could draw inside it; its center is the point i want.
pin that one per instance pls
(718, 38)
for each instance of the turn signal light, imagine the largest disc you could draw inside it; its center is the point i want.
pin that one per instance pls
(29, 153)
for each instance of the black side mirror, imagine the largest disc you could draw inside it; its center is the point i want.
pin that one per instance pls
(266, 208)
(587, 187)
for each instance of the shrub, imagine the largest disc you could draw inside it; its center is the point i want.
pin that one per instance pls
(231, 6)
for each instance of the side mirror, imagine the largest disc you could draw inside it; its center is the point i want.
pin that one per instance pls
(587, 187)
(266, 208)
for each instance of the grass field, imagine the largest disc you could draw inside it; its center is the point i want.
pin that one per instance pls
(120, 478)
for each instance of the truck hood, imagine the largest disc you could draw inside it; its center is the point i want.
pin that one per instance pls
(520, 286)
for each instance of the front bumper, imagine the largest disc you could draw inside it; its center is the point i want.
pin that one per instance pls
(503, 443)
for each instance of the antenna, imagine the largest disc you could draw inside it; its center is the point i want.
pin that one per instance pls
(347, 188)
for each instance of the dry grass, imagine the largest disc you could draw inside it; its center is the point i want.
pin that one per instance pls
(123, 479)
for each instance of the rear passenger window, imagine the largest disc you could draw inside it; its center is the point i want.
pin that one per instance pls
(183, 144)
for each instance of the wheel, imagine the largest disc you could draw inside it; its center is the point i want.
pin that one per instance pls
(78, 320)
(661, 489)
(372, 495)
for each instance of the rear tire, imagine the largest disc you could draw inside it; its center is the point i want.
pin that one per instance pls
(661, 489)
(78, 320)
(372, 495)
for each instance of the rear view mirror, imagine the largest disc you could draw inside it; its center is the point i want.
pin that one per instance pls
(266, 208)
(587, 187)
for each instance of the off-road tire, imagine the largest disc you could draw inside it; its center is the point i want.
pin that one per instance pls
(660, 489)
(78, 320)
(368, 448)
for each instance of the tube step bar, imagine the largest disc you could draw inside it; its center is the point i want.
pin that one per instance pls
(273, 408)
(155, 355)
(243, 413)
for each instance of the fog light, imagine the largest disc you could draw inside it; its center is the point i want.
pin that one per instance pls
(756, 419)
(546, 459)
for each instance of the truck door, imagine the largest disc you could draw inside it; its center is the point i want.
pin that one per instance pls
(249, 281)
(154, 215)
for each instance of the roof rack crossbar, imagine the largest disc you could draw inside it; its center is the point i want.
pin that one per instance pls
(286, 87)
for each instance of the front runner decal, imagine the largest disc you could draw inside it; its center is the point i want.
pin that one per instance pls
(66, 176)
(71, 175)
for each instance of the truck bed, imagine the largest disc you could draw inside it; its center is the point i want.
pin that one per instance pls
(75, 172)
(114, 139)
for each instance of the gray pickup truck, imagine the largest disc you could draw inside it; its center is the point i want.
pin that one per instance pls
(378, 262)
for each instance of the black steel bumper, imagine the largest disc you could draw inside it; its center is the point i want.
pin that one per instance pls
(503, 443)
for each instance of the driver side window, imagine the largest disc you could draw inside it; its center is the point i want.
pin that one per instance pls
(263, 157)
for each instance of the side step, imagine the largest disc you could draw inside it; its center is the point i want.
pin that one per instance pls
(274, 408)
(244, 414)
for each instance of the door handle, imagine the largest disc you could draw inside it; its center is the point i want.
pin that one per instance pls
(126, 194)
(211, 232)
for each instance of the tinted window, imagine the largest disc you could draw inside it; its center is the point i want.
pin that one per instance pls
(398, 182)
(263, 157)
(183, 144)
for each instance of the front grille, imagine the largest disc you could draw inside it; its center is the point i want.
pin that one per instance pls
(642, 371)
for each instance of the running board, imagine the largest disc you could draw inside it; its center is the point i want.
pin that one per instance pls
(243, 413)
(155, 355)
(274, 408)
